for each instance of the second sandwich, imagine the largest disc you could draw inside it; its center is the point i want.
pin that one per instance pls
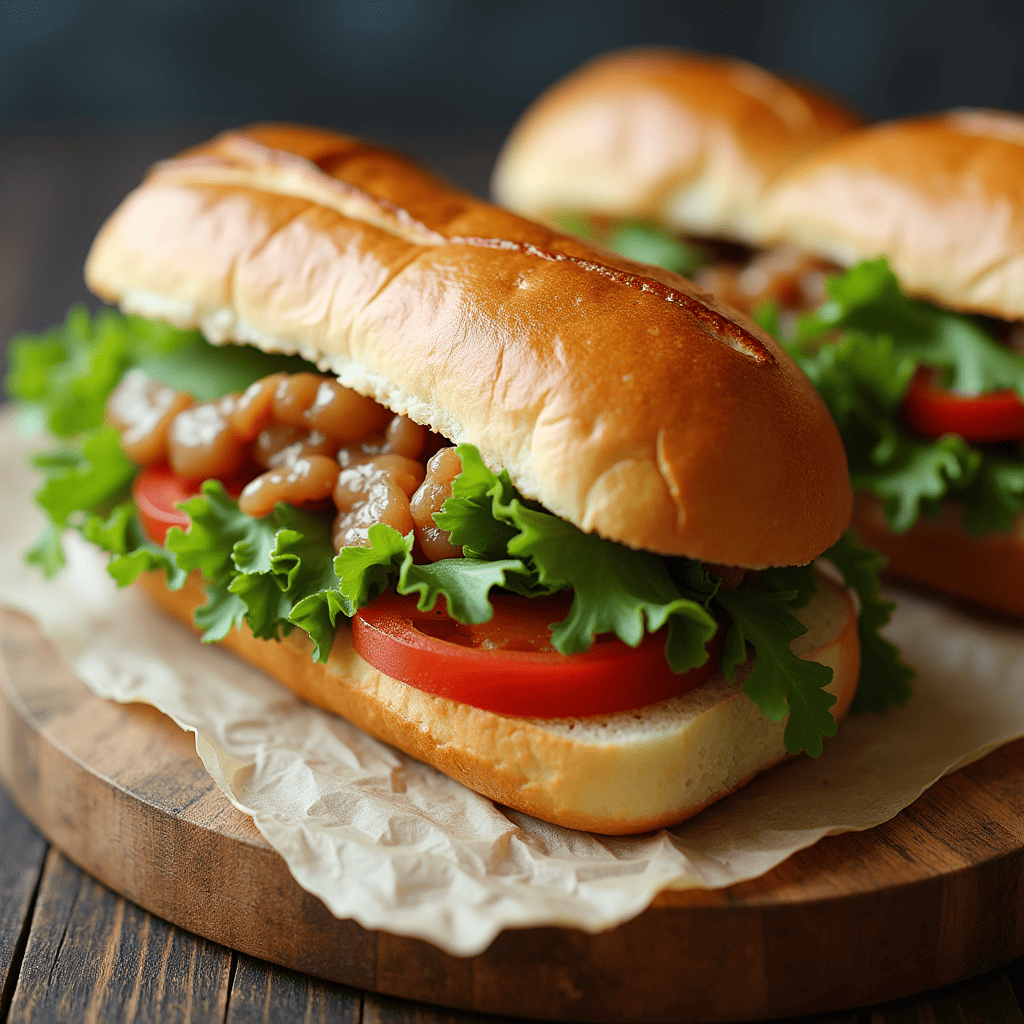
(844, 232)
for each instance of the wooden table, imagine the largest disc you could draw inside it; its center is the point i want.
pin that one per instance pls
(72, 950)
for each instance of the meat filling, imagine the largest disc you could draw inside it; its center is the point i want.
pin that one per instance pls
(793, 280)
(304, 440)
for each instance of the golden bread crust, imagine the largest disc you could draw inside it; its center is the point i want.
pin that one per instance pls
(688, 141)
(939, 196)
(617, 774)
(939, 554)
(614, 393)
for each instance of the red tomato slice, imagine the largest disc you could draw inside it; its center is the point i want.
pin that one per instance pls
(157, 489)
(931, 411)
(508, 665)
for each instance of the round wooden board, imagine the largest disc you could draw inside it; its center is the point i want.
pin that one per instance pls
(929, 898)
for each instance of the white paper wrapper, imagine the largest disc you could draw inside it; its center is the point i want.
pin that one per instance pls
(397, 846)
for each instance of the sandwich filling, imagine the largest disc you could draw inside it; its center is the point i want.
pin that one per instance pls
(304, 505)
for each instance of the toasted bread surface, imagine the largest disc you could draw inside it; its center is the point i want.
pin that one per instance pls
(939, 196)
(614, 393)
(686, 140)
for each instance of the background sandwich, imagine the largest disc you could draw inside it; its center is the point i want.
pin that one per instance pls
(614, 457)
(927, 401)
(668, 157)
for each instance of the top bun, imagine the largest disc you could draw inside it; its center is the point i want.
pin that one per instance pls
(614, 393)
(940, 196)
(687, 141)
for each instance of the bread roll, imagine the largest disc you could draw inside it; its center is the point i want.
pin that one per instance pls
(614, 393)
(940, 555)
(615, 774)
(939, 196)
(687, 141)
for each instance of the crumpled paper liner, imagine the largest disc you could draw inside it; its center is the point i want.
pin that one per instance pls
(395, 845)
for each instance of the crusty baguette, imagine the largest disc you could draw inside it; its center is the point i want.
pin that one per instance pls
(614, 393)
(617, 774)
(940, 555)
(939, 196)
(687, 141)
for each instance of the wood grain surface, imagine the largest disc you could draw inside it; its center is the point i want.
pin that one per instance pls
(930, 898)
(175, 986)
(20, 866)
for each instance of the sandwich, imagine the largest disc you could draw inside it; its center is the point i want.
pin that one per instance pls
(919, 345)
(536, 514)
(886, 259)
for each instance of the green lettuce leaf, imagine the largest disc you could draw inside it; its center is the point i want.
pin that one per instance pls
(916, 474)
(637, 240)
(779, 683)
(208, 371)
(646, 243)
(222, 613)
(464, 583)
(797, 579)
(91, 473)
(67, 374)
(884, 678)
(476, 515)
(360, 575)
(868, 299)
(256, 570)
(615, 589)
(47, 553)
(860, 349)
(996, 495)
(132, 551)
(84, 478)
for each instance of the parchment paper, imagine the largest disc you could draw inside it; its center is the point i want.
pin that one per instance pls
(397, 846)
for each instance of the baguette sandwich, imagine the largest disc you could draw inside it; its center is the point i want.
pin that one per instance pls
(861, 250)
(928, 392)
(538, 515)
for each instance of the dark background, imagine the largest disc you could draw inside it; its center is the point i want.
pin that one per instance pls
(91, 91)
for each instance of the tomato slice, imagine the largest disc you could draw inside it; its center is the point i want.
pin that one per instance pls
(157, 489)
(508, 665)
(931, 411)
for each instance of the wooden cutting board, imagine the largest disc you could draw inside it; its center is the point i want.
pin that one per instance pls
(931, 897)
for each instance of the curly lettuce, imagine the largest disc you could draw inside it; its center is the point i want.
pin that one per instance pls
(861, 348)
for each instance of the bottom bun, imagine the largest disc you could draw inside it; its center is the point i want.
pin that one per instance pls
(617, 774)
(939, 554)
